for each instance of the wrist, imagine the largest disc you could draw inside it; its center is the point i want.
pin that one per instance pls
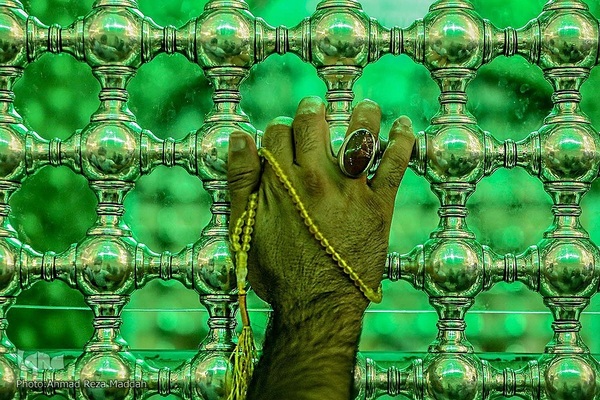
(332, 314)
(328, 328)
(334, 295)
(309, 353)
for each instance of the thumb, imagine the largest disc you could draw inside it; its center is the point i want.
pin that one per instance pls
(243, 172)
(395, 160)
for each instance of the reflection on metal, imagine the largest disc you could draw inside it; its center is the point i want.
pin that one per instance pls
(453, 154)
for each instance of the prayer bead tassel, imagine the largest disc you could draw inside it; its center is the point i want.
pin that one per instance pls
(245, 351)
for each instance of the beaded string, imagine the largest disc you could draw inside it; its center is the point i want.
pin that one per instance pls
(245, 351)
(244, 226)
(374, 296)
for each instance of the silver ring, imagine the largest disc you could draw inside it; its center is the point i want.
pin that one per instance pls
(359, 154)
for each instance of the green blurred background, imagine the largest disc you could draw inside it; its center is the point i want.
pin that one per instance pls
(169, 208)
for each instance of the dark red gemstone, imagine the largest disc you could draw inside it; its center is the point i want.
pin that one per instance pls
(358, 152)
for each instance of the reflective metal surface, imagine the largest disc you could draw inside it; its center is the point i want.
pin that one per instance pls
(112, 151)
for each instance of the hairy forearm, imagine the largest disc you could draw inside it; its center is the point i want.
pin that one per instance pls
(308, 354)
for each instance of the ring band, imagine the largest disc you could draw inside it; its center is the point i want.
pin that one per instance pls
(359, 154)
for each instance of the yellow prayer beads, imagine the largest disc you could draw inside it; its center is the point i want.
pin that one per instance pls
(245, 352)
(374, 296)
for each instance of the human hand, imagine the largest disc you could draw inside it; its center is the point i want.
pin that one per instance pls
(287, 267)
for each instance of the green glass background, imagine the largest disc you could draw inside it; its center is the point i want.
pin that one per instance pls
(169, 208)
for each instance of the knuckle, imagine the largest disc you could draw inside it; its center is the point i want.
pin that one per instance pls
(276, 133)
(367, 114)
(367, 121)
(399, 154)
(393, 179)
(306, 119)
(401, 159)
(240, 177)
(314, 183)
(304, 141)
(395, 168)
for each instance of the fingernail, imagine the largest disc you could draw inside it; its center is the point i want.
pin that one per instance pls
(369, 105)
(405, 122)
(310, 105)
(237, 141)
(279, 121)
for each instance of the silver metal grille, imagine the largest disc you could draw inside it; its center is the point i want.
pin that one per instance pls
(453, 154)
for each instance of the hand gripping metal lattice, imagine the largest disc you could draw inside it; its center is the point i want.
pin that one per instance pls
(453, 154)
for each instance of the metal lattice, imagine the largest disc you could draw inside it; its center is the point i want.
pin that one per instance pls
(453, 154)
